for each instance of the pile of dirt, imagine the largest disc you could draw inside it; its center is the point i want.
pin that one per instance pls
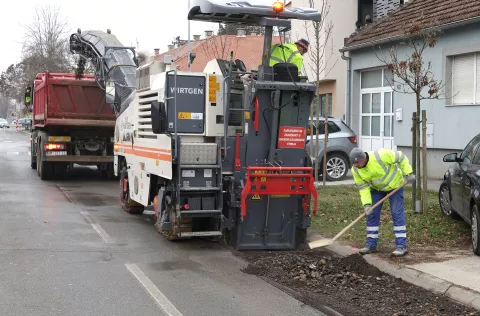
(348, 285)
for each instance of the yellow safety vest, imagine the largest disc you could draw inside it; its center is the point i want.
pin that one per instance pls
(281, 53)
(384, 172)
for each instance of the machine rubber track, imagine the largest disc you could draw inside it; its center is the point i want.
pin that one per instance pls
(171, 235)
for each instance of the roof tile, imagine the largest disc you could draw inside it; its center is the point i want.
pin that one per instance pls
(426, 13)
(248, 49)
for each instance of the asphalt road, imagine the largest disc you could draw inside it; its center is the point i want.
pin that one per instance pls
(67, 248)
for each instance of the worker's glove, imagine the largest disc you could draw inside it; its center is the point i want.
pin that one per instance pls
(366, 208)
(411, 178)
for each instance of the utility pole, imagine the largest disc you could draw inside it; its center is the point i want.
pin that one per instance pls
(188, 56)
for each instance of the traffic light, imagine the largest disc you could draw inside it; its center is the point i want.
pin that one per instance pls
(28, 96)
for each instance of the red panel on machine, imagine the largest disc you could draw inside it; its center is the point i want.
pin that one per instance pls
(291, 137)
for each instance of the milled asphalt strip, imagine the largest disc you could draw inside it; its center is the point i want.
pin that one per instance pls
(97, 227)
(156, 294)
(429, 282)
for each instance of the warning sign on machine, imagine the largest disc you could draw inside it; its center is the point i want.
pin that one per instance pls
(291, 137)
(256, 197)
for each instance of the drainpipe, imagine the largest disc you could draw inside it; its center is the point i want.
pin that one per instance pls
(348, 106)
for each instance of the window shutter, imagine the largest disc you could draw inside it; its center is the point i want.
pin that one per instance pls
(463, 75)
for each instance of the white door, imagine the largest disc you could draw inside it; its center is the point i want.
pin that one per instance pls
(376, 119)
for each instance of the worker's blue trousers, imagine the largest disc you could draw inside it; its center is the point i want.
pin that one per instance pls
(398, 216)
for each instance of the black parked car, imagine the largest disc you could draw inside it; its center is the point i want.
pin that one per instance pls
(459, 194)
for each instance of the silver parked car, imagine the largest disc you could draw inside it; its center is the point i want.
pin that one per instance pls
(341, 141)
(3, 123)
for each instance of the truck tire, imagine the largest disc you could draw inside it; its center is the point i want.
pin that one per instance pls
(33, 157)
(45, 169)
(33, 162)
(108, 172)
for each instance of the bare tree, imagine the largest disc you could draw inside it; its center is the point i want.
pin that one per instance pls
(220, 46)
(413, 75)
(319, 34)
(45, 45)
(11, 82)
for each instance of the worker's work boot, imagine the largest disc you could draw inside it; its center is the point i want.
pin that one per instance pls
(366, 250)
(399, 252)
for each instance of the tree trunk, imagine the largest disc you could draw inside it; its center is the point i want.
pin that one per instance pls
(316, 135)
(311, 129)
(418, 171)
(325, 142)
(414, 158)
(424, 157)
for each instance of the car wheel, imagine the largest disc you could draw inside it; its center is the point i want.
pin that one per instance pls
(475, 216)
(444, 200)
(337, 167)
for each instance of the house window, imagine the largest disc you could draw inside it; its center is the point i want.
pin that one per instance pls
(466, 79)
(323, 101)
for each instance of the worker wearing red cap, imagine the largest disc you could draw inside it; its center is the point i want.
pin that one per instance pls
(289, 53)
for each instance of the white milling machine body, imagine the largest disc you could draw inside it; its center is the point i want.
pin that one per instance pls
(181, 137)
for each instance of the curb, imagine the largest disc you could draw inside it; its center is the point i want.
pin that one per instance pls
(421, 279)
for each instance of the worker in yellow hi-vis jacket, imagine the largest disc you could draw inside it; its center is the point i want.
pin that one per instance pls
(376, 174)
(289, 53)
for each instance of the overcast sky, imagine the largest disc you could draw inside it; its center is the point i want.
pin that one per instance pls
(153, 23)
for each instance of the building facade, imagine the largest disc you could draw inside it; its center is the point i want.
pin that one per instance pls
(381, 116)
(344, 16)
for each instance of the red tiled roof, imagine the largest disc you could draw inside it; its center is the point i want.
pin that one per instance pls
(424, 13)
(248, 49)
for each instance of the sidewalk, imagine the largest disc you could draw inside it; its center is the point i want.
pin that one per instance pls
(457, 278)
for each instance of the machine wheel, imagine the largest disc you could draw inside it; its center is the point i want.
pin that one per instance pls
(337, 167)
(444, 201)
(126, 202)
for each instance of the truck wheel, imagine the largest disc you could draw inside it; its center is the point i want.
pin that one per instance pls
(108, 172)
(33, 162)
(45, 169)
(126, 202)
(33, 158)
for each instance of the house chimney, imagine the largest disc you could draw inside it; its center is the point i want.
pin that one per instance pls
(241, 33)
(196, 37)
(170, 47)
(157, 51)
(208, 34)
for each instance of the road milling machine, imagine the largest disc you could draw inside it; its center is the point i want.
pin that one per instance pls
(218, 154)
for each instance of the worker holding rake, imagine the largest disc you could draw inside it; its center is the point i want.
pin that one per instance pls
(376, 174)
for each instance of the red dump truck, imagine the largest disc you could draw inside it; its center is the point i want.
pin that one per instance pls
(71, 124)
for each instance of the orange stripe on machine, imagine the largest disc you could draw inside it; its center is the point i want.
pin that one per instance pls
(146, 152)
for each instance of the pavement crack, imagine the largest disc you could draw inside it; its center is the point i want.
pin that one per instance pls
(445, 292)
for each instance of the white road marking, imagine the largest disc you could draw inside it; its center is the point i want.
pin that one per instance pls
(97, 228)
(158, 296)
(14, 153)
